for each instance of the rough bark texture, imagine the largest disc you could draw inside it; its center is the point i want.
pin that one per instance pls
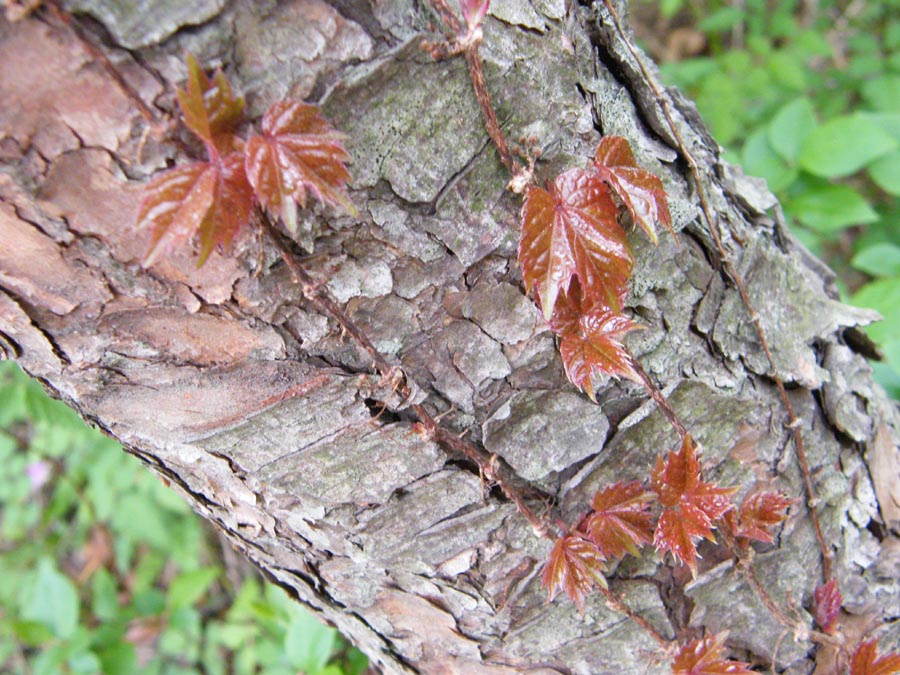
(229, 384)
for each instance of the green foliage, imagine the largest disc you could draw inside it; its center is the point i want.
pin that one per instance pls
(808, 97)
(103, 569)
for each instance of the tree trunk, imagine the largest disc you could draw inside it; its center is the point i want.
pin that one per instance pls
(270, 421)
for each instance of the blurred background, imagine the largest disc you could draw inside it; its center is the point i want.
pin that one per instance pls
(103, 569)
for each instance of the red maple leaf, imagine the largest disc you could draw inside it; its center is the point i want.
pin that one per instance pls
(212, 199)
(575, 564)
(297, 151)
(590, 339)
(641, 191)
(474, 11)
(757, 514)
(621, 520)
(827, 601)
(571, 230)
(690, 504)
(210, 108)
(705, 657)
(865, 661)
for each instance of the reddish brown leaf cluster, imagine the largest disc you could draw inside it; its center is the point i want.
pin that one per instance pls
(575, 565)
(866, 661)
(755, 517)
(676, 510)
(827, 601)
(690, 505)
(706, 657)
(621, 521)
(214, 200)
(576, 260)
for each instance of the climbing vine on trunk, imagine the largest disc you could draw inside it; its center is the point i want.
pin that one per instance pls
(576, 262)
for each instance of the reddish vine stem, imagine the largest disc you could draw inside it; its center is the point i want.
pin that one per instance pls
(489, 465)
(479, 85)
(794, 422)
(618, 604)
(491, 123)
(447, 15)
(661, 401)
(97, 54)
(778, 612)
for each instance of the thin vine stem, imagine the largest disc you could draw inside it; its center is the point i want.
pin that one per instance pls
(794, 423)
(469, 48)
(491, 467)
(775, 609)
(659, 398)
(491, 123)
(618, 604)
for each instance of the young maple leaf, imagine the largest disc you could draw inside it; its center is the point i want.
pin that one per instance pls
(570, 230)
(690, 505)
(642, 192)
(209, 107)
(575, 564)
(590, 339)
(474, 11)
(621, 520)
(757, 514)
(827, 601)
(297, 151)
(705, 657)
(865, 661)
(212, 198)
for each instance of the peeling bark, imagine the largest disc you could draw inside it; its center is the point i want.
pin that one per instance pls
(226, 381)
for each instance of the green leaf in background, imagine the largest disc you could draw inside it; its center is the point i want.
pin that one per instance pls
(891, 350)
(722, 19)
(308, 643)
(887, 377)
(149, 602)
(883, 93)
(790, 127)
(84, 663)
(669, 8)
(885, 172)
(119, 659)
(879, 260)
(830, 208)
(105, 595)
(788, 70)
(882, 295)
(188, 587)
(811, 43)
(843, 146)
(136, 519)
(759, 159)
(719, 101)
(12, 393)
(48, 662)
(50, 598)
(887, 122)
(31, 633)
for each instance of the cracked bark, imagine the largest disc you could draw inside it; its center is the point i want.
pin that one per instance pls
(228, 383)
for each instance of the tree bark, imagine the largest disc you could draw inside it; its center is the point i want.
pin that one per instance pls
(251, 402)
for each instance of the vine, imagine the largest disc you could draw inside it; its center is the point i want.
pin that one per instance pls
(577, 263)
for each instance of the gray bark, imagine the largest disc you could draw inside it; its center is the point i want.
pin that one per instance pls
(228, 383)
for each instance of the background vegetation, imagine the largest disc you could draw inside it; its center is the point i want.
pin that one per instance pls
(103, 569)
(805, 94)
